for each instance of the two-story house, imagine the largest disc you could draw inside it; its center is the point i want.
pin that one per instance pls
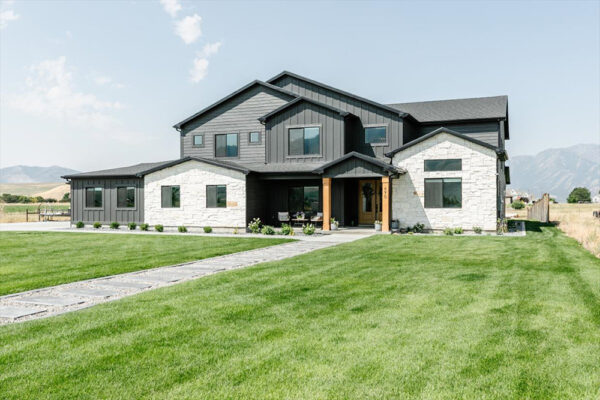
(291, 144)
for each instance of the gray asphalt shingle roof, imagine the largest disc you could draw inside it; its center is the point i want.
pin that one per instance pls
(456, 109)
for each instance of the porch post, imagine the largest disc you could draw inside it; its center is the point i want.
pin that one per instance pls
(326, 204)
(385, 203)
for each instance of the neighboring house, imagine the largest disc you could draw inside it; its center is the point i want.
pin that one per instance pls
(292, 144)
(596, 199)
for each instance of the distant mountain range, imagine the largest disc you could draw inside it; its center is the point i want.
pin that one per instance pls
(557, 171)
(26, 174)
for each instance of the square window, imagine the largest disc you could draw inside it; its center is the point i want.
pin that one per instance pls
(226, 145)
(254, 137)
(126, 197)
(443, 193)
(216, 196)
(304, 141)
(93, 197)
(198, 140)
(170, 196)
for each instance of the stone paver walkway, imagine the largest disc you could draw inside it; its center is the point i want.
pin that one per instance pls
(45, 302)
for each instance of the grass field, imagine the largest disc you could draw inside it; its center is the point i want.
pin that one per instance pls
(31, 260)
(385, 317)
(577, 221)
(21, 208)
(34, 189)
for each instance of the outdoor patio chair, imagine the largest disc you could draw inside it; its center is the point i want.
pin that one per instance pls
(317, 218)
(283, 217)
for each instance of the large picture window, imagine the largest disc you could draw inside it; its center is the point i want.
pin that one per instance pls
(226, 145)
(93, 197)
(216, 196)
(451, 164)
(304, 141)
(376, 135)
(169, 197)
(303, 198)
(443, 193)
(125, 197)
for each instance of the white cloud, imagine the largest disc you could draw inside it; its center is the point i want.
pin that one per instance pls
(6, 16)
(211, 48)
(171, 6)
(188, 28)
(50, 93)
(200, 64)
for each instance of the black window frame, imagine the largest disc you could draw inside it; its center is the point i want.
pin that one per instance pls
(385, 143)
(214, 190)
(101, 206)
(194, 140)
(127, 187)
(250, 142)
(304, 154)
(429, 202)
(441, 160)
(170, 202)
(237, 136)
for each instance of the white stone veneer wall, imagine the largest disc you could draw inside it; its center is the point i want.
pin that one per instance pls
(192, 178)
(479, 167)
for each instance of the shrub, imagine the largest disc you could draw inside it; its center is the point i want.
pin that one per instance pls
(517, 204)
(97, 225)
(254, 225)
(477, 230)
(159, 228)
(418, 228)
(79, 224)
(207, 229)
(235, 231)
(132, 226)
(114, 225)
(267, 230)
(308, 229)
(144, 227)
(287, 230)
(448, 231)
(458, 230)
(66, 197)
(181, 229)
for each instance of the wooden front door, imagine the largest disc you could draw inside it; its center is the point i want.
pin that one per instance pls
(369, 198)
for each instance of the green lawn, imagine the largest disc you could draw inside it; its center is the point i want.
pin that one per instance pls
(385, 317)
(31, 260)
(21, 208)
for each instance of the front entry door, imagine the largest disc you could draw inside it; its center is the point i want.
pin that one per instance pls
(369, 196)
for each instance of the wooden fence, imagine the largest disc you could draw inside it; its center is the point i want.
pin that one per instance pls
(540, 210)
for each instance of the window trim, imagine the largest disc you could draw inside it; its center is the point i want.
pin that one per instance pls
(259, 138)
(171, 186)
(287, 141)
(215, 145)
(135, 200)
(194, 140)
(442, 207)
(442, 170)
(387, 134)
(216, 191)
(85, 207)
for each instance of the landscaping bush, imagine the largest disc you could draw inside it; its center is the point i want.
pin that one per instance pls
(181, 229)
(114, 225)
(132, 226)
(477, 230)
(267, 230)
(79, 224)
(235, 231)
(97, 225)
(254, 225)
(448, 231)
(287, 230)
(418, 228)
(159, 228)
(144, 227)
(308, 229)
(458, 230)
(517, 204)
(207, 229)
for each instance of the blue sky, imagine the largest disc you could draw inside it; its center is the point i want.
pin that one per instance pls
(98, 84)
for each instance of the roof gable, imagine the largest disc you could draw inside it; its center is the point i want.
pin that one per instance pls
(299, 100)
(383, 167)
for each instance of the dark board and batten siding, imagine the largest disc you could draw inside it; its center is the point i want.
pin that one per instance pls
(238, 115)
(367, 113)
(487, 132)
(109, 212)
(331, 126)
(353, 168)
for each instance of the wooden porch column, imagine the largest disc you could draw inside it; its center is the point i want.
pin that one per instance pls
(385, 203)
(326, 204)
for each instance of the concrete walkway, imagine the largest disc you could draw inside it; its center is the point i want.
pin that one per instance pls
(45, 302)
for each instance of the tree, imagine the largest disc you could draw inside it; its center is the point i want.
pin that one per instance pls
(517, 204)
(66, 197)
(579, 195)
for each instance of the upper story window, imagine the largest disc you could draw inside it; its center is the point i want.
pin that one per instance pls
(169, 196)
(125, 197)
(451, 164)
(216, 196)
(304, 141)
(443, 193)
(198, 140)
(254, 137)
(226, 145)
(93, 197)
(376, 135)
